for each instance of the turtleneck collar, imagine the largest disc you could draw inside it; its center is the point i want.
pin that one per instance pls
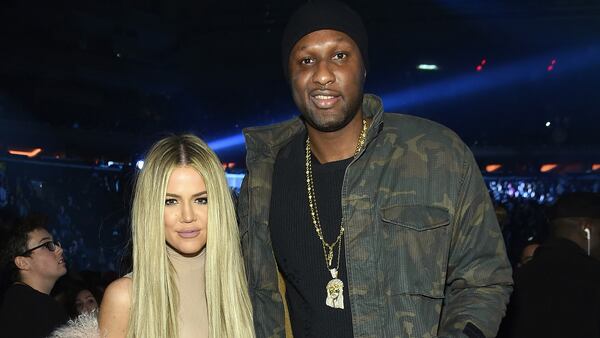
(187, 262)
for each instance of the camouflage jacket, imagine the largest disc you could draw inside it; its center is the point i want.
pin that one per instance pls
(424, 254)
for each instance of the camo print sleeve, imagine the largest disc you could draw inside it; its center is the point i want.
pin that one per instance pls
(479, 274)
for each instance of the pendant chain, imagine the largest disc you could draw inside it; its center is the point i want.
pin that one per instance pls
(328, 249)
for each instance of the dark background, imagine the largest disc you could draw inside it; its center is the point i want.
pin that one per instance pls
(103, 79)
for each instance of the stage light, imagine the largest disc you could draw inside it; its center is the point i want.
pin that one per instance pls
(596, 166)
(31, 153)
(480, 65)
(490, 168)
(548, 124)
(551, 65)
(112, 164)
(139, 164)
(424, 66)
(548, 167)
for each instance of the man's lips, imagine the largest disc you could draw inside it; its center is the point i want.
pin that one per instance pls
(324, 99)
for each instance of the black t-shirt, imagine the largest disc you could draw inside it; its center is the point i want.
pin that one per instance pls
(28, 313)
(297, 248)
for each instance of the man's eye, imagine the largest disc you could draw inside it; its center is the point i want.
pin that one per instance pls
(307, 61)
(202, 200)
(340, 56)
(170, 201)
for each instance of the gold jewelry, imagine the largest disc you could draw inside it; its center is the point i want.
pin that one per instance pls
(335, 287)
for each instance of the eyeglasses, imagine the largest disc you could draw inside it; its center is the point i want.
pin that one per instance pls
(50, 245)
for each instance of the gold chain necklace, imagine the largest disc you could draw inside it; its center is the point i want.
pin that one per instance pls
(335, 287)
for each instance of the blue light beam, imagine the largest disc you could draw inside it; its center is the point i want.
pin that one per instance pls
(226, 142)
(493, 77)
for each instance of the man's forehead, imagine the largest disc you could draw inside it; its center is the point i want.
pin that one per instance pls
(322, 36)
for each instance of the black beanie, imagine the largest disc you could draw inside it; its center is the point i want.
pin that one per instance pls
(317, 15)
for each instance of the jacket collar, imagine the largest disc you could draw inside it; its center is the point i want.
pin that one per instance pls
(267, 140)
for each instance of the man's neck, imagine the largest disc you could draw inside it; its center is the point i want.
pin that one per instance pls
(336, 145)
(37, 284)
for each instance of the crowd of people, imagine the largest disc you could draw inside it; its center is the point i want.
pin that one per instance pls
(522, 203)
(86, 208)
(350, 222)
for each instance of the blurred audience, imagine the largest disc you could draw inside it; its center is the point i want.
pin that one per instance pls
(87, 209)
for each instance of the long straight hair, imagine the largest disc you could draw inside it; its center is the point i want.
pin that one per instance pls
(155, 299)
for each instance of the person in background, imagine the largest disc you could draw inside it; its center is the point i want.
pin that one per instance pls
(83, 299)
(35, 262)
(528, 253)
(85, 302)
(557, 294)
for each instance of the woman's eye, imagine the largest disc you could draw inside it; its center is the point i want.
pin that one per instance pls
(202, 200)
(170, 201)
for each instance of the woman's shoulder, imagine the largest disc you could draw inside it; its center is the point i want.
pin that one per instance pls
(115, 307)
(119, 290)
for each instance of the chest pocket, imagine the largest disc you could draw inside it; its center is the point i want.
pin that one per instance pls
(415, 241)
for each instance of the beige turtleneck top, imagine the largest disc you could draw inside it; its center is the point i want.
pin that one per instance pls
(190, 279)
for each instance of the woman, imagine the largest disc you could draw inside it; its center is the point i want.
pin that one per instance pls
(188, 276)
(83, 299)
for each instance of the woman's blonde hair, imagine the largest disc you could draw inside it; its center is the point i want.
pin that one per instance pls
(155, 299)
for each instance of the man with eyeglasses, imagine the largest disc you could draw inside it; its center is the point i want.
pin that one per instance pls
(35, 262)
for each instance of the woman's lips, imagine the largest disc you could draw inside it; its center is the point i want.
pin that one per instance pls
(188, 233)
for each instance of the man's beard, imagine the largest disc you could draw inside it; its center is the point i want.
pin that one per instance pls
(331, 126)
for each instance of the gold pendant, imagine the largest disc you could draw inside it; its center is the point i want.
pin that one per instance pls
(335, 291)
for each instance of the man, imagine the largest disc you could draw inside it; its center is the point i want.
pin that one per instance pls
(369, 224)
(37, 262)
(557, 294)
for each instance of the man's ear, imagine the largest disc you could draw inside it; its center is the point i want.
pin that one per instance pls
(22, 263)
